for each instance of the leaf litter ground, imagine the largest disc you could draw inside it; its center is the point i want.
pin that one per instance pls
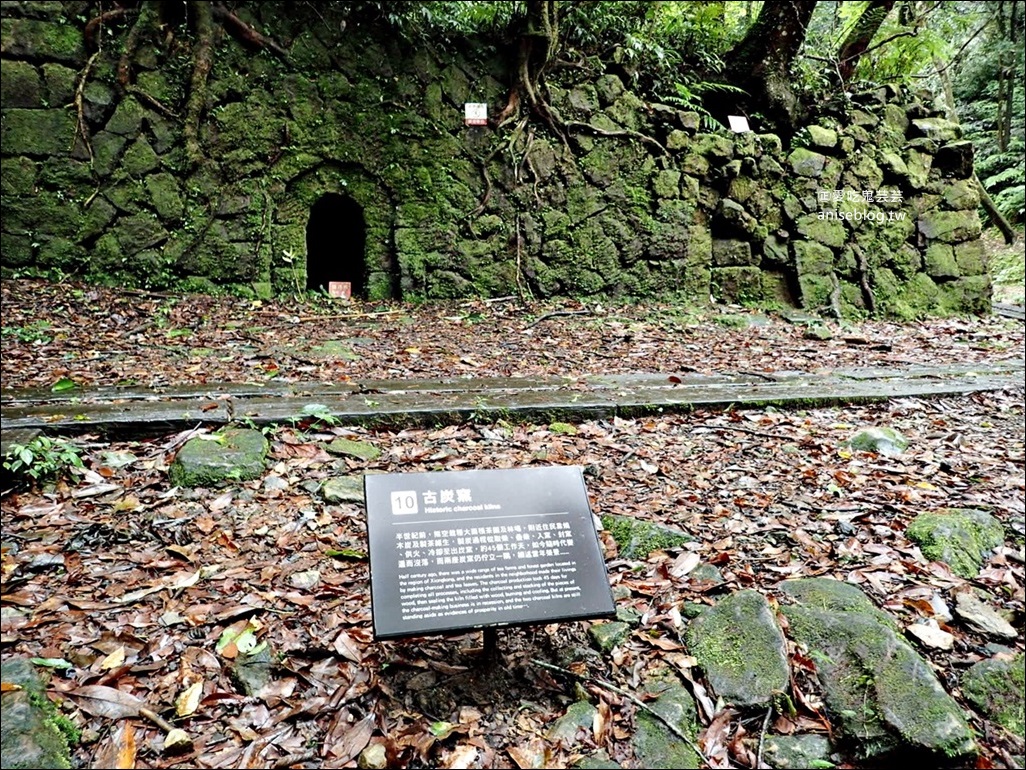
(133, 582)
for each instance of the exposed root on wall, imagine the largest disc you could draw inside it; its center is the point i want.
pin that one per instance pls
(867, 290)
(202, 61)
(146, 15)
(79, 102)
(623, 132)
(244, 33)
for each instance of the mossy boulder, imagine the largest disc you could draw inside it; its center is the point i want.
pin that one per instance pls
(17, 176)
(655, 746)
(740, 647)
(955, 159)
(884, 441)
(359, 449)
(637, 539)
(607, 635)
(20, 85)
(971, 258)
(343, 489)
(940, 261)
(579, 715)
(820, 136)
(231, 455)
(794, 752)
(882, 697)
(713, 146)
(666, 184)
(166, 196)
(939, 129)
(37, 133)
(31, 734)
(805, 162)
(729, 252)
(950, 226)
(829, 232)
(962, 539)
(996, 689)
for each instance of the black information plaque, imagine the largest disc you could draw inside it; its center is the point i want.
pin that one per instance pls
(454, 550)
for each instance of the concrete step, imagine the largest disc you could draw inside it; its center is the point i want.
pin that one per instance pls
(146, 412)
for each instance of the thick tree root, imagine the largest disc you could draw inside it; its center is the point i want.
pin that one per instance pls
(245, 34)
(625, 132)
(202, 60)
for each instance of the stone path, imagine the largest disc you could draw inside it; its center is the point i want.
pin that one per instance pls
(134, 412)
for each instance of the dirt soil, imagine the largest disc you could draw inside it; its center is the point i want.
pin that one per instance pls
(117, 578)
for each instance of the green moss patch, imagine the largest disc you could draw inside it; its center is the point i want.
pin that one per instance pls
(962, 539)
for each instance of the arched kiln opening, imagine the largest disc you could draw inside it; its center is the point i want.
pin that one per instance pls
(336, 240)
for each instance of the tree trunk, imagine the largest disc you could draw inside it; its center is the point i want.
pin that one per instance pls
(538, 41)
(761, 62)
(860, 36)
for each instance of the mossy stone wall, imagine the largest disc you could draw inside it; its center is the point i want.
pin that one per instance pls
(695, 212)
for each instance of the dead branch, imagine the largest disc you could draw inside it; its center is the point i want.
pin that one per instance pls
(762, 737)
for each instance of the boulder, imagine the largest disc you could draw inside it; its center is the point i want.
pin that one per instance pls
(232, 455)
(30, 736)
(637, 538)
(655, 745)
(740, 647)
(882, 696)
(962, 539)
(995, 687)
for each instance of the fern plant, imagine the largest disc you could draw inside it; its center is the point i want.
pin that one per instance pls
(690, 96)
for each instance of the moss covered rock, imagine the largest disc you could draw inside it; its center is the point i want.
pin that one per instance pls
(232, 455)
(359, 449)
(607, 635)
(962, 539)
(37, 133)
(806, 162)
(996, 688)
(794, 752)
(655, 746)
(881, 695)
(31, 732)
(884, 441)
(637, 539)
(950, 226)
(740, 647)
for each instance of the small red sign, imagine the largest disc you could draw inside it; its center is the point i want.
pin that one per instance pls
(340, 289)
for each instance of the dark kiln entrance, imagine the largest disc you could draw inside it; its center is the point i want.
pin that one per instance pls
(336, 240)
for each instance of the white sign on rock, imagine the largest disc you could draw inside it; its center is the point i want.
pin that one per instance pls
(738, 124)
(475, 114)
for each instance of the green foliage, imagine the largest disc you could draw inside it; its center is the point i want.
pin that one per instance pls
(689, 97)
(43, 458)
(319, 414)
(995, 124)
(33, 332)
